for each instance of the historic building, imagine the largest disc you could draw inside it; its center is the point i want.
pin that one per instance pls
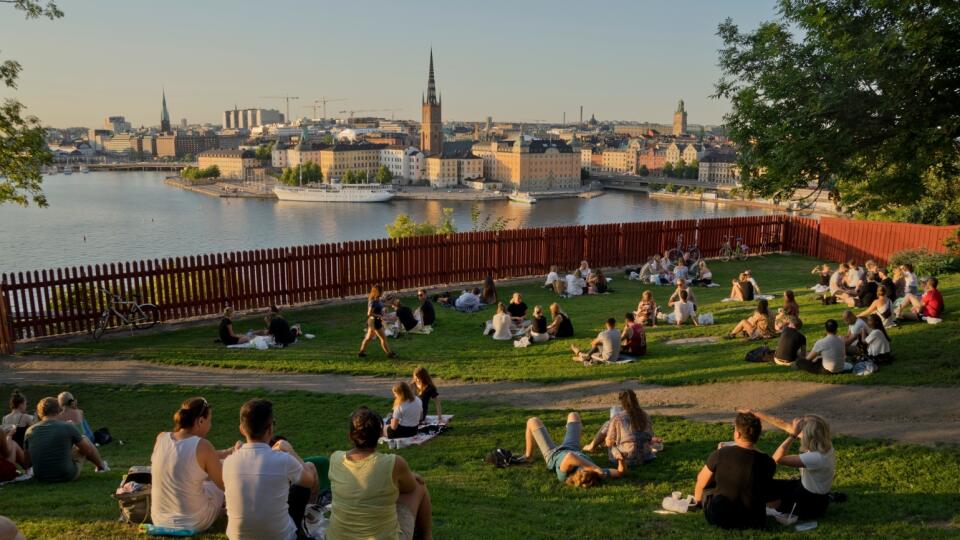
(680, 120)
(405, 163)
(719, 166)
(234, 164)
(537, 165)
(431, 127)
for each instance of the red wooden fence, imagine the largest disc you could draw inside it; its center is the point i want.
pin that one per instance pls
(66, 300)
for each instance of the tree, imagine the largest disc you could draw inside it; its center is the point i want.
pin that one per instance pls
(195, 173)
(643, 171)
(584, 173)
(482, 223)
(668, 169)
(308, 172)
(383, 175)
(23, 149)
(265, 152)
(404, 226)
(858, 99)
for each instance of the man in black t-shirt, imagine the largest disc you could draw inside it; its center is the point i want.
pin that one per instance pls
(280, 329)
(404, 315)
(792, 345)
(427, 314)
(742, 478)
(517, 309)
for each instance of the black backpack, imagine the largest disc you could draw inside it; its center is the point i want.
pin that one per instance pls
(760, 354)
(501, 458)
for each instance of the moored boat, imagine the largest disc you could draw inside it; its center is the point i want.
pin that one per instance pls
(352, 193)
(521, 197)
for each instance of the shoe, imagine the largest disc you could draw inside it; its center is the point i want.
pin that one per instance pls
(362, 354)
(106, 468)
(784, 363)
(391, 354)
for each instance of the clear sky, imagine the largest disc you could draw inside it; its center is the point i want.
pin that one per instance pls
(521, 60)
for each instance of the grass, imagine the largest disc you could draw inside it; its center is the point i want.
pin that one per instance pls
(926, 354)
(895, 490)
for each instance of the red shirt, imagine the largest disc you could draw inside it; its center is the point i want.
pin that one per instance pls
(637, 345)
(931, 304)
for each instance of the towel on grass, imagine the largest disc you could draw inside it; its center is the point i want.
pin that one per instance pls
(419, 438)
(261, 343)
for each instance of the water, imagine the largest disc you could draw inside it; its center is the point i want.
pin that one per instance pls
(118, 216)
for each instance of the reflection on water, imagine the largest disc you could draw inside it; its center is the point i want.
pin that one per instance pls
(108, 217)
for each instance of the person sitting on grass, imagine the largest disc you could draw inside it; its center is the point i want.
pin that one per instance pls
(681, 272)
(650, 270)
(756, 286)
(71, 412)
(266, 488)
(704, 274)
(561, 326)
(823, 280)
(633, 339)
(791, 347)
(855, 327)
(553, 276)
(628, 435)
(375, 323)
(9, 531)
(575, 284)
(18, 417)
(647, 310)
(426, 313)
(225, 330)
(828, 356)
(789, 312)
(517, 310)
(597, 283)
(887, 284)
(910, 283)
(877, 342)
(500, 325)
(278, 327)
(757, 326)
(584, 269)
(468, 301)
(682, 286)
(880, 306)
(806, 497)
(187, 489)
(604, 348)
(11, 455)
(567, 460)
(408, 322)
(538, 330)
(683, 310)
(836, 285)
(375, 495)
(426, 390)
(742, 289)
(489, 295)
(930, 305)
(741, 477)
(56, 449)
(407, 413)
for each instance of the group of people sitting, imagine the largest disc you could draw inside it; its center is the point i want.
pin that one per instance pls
(411, 402)
(277, 327)
(873, 288)
(612, 345)
(580, 281)
(510, 322)
(50, 446)
(384, 313)
(661, 271)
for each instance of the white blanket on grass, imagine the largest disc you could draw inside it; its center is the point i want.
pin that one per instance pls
(419, 438)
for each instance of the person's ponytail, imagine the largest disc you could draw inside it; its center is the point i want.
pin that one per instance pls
(190, 411)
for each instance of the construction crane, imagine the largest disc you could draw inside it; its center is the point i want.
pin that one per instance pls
(322, 102)
(286, 98)
(370, 110)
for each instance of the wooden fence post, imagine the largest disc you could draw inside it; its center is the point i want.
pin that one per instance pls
(6, 328)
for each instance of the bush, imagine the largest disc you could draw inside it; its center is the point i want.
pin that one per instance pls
(926, 262)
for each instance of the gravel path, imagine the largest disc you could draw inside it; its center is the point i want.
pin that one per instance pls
(921, 415)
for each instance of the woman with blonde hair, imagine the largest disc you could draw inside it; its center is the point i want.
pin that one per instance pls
(538, 327)
(647, 309)
(375, 323)
(501, 324)
(225, 330)
(407, 411)
(742, 289)
(628, 435)
(560, 326)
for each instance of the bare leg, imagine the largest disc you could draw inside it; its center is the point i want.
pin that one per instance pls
(366, 340)
(532, 424)
(9, 531)
(418, 501)
(598, 438)
(383, 340)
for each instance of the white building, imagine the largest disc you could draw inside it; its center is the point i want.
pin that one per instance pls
(406, 164)
(719, 167)
(116, 124)
(250, 118)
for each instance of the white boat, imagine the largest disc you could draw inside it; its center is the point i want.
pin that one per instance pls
(352, 193)
(67, 169)
(84, 169)
(520, 197)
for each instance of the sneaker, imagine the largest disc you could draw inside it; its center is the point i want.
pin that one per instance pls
(106, 468)
(784, 363)
(362, 354)
(391, 354)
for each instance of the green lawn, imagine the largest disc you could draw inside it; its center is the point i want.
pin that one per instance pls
(894, 490)
(926, 355)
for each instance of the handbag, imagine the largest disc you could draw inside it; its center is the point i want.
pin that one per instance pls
(135, 501)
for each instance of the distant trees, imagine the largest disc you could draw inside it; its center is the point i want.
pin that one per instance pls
(354, 177)
(682, 170)
(196, 173)
(383, 175)
(643, 171)
(264, 152)
(404, 226)
(584, 173)
(311, 172)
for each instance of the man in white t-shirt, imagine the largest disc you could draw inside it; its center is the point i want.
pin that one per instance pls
(605, 347)
(828, 355)
(683, 310)
(855, 326)
(258, 480)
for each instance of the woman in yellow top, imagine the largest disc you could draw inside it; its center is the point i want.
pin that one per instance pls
(375, 496)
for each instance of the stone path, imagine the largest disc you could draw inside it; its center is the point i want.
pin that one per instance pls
(909, 414)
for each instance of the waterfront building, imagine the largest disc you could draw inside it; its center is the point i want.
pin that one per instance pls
(719, 166)
(334, 159)
(619, 160)
(96, 138)
(445, 171)
(250, 118)
(405, 163)
(431, 126)
(653, 157)
(181, 143)
(230, 141)
(164, 115)
(233, 164)
(687, 152)
(679, 120)
(116, 124)
(138, 146)
(692, 153)
(538, 165)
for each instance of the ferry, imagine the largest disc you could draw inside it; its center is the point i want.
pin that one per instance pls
(521, 197)
(350, 193)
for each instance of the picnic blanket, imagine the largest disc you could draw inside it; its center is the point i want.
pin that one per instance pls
(261, 343)
(419, 438)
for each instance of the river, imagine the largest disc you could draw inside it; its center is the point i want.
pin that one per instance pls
(118, 216)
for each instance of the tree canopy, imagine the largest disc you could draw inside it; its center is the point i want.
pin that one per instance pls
(858, 98)
(23, 148)
(291, 176)
(404, 226)
(383, 175)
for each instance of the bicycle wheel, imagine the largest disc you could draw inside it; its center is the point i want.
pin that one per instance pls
(675, 256)
(101, 325)
(726, 253)
(742, 253)
(144, 316)
(695, 255)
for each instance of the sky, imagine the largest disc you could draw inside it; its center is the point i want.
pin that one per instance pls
(518, 60)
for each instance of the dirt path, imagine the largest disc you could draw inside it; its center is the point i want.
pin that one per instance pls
(908, 414)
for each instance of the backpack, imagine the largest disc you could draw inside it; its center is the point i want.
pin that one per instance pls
(829, 300)
(760, 354)
(102, 436)
(502, 457)
(134, 501)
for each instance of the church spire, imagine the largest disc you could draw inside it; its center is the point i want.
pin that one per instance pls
(164, 114)
(431, 83)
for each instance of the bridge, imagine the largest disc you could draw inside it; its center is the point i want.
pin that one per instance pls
(629, 182)
(142, 166)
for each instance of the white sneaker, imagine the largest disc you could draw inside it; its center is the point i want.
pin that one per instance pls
(106, 468)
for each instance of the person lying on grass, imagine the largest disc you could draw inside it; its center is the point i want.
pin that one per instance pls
(604, 348)
(739, 477)
(628, 435)
(567, 460)
(375, 495)
(816, 462)
(758, 325)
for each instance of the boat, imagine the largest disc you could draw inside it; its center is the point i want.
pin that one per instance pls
(351, 193)
(67, 169)
(84, 169)
(520, 197)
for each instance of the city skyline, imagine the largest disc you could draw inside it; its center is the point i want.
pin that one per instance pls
(619, 60)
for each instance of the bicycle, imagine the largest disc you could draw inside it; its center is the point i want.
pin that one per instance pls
(728, 251)
(137, 315)
(676, 254)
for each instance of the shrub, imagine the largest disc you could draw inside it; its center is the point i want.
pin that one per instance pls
(926, 262)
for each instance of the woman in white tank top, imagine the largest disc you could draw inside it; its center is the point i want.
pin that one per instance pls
(187, 489)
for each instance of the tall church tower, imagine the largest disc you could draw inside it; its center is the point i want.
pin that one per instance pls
(431, 127)
(164, 116)
(680, 120)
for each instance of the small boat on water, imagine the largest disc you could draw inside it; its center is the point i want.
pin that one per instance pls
(68, 169)
(349, 193)
(84, 169)
(523, 198)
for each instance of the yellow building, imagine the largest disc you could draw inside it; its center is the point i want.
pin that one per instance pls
(334, 160)
(619, 160)
(449, 171)
(235, 164)
(538, 165)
